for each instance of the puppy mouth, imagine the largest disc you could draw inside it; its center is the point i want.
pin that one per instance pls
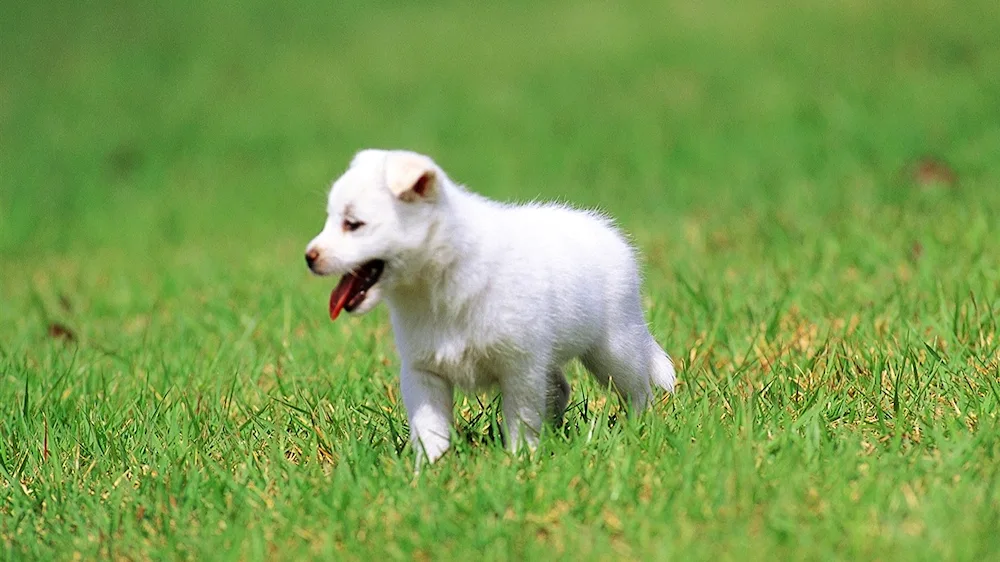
(352, 289)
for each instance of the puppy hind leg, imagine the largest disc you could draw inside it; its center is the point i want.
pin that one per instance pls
(557, 397)
(525, 404)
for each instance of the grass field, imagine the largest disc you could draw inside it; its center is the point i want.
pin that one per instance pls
(815, 188)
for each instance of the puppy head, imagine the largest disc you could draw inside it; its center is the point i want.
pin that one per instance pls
(378, 212)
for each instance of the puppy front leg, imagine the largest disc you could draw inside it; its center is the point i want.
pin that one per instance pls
(428, 399)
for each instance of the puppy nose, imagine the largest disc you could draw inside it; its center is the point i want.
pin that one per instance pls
(311, 257)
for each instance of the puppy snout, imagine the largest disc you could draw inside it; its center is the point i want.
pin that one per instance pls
(311, 256)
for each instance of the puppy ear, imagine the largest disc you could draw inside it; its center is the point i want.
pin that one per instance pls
(411, 177)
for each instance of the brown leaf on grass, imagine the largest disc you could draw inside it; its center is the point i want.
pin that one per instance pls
(45, 440)
(61, 332)
(929, 171)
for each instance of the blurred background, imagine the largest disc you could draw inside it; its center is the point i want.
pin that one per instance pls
(152, 125)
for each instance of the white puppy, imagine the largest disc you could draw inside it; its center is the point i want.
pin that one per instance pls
(483, 293)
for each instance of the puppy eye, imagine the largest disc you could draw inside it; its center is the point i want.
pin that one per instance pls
(352, 225)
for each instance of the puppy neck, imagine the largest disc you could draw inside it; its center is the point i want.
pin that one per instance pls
(443, 276)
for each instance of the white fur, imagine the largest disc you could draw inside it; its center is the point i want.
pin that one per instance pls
(485, 294)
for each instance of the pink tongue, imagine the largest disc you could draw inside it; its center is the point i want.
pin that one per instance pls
(341, 294)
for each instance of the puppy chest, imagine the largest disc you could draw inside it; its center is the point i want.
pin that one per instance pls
(467, 366)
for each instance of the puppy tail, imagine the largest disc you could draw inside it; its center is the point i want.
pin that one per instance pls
(661, 368)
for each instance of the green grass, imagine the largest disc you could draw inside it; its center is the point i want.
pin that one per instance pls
(170, 385)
